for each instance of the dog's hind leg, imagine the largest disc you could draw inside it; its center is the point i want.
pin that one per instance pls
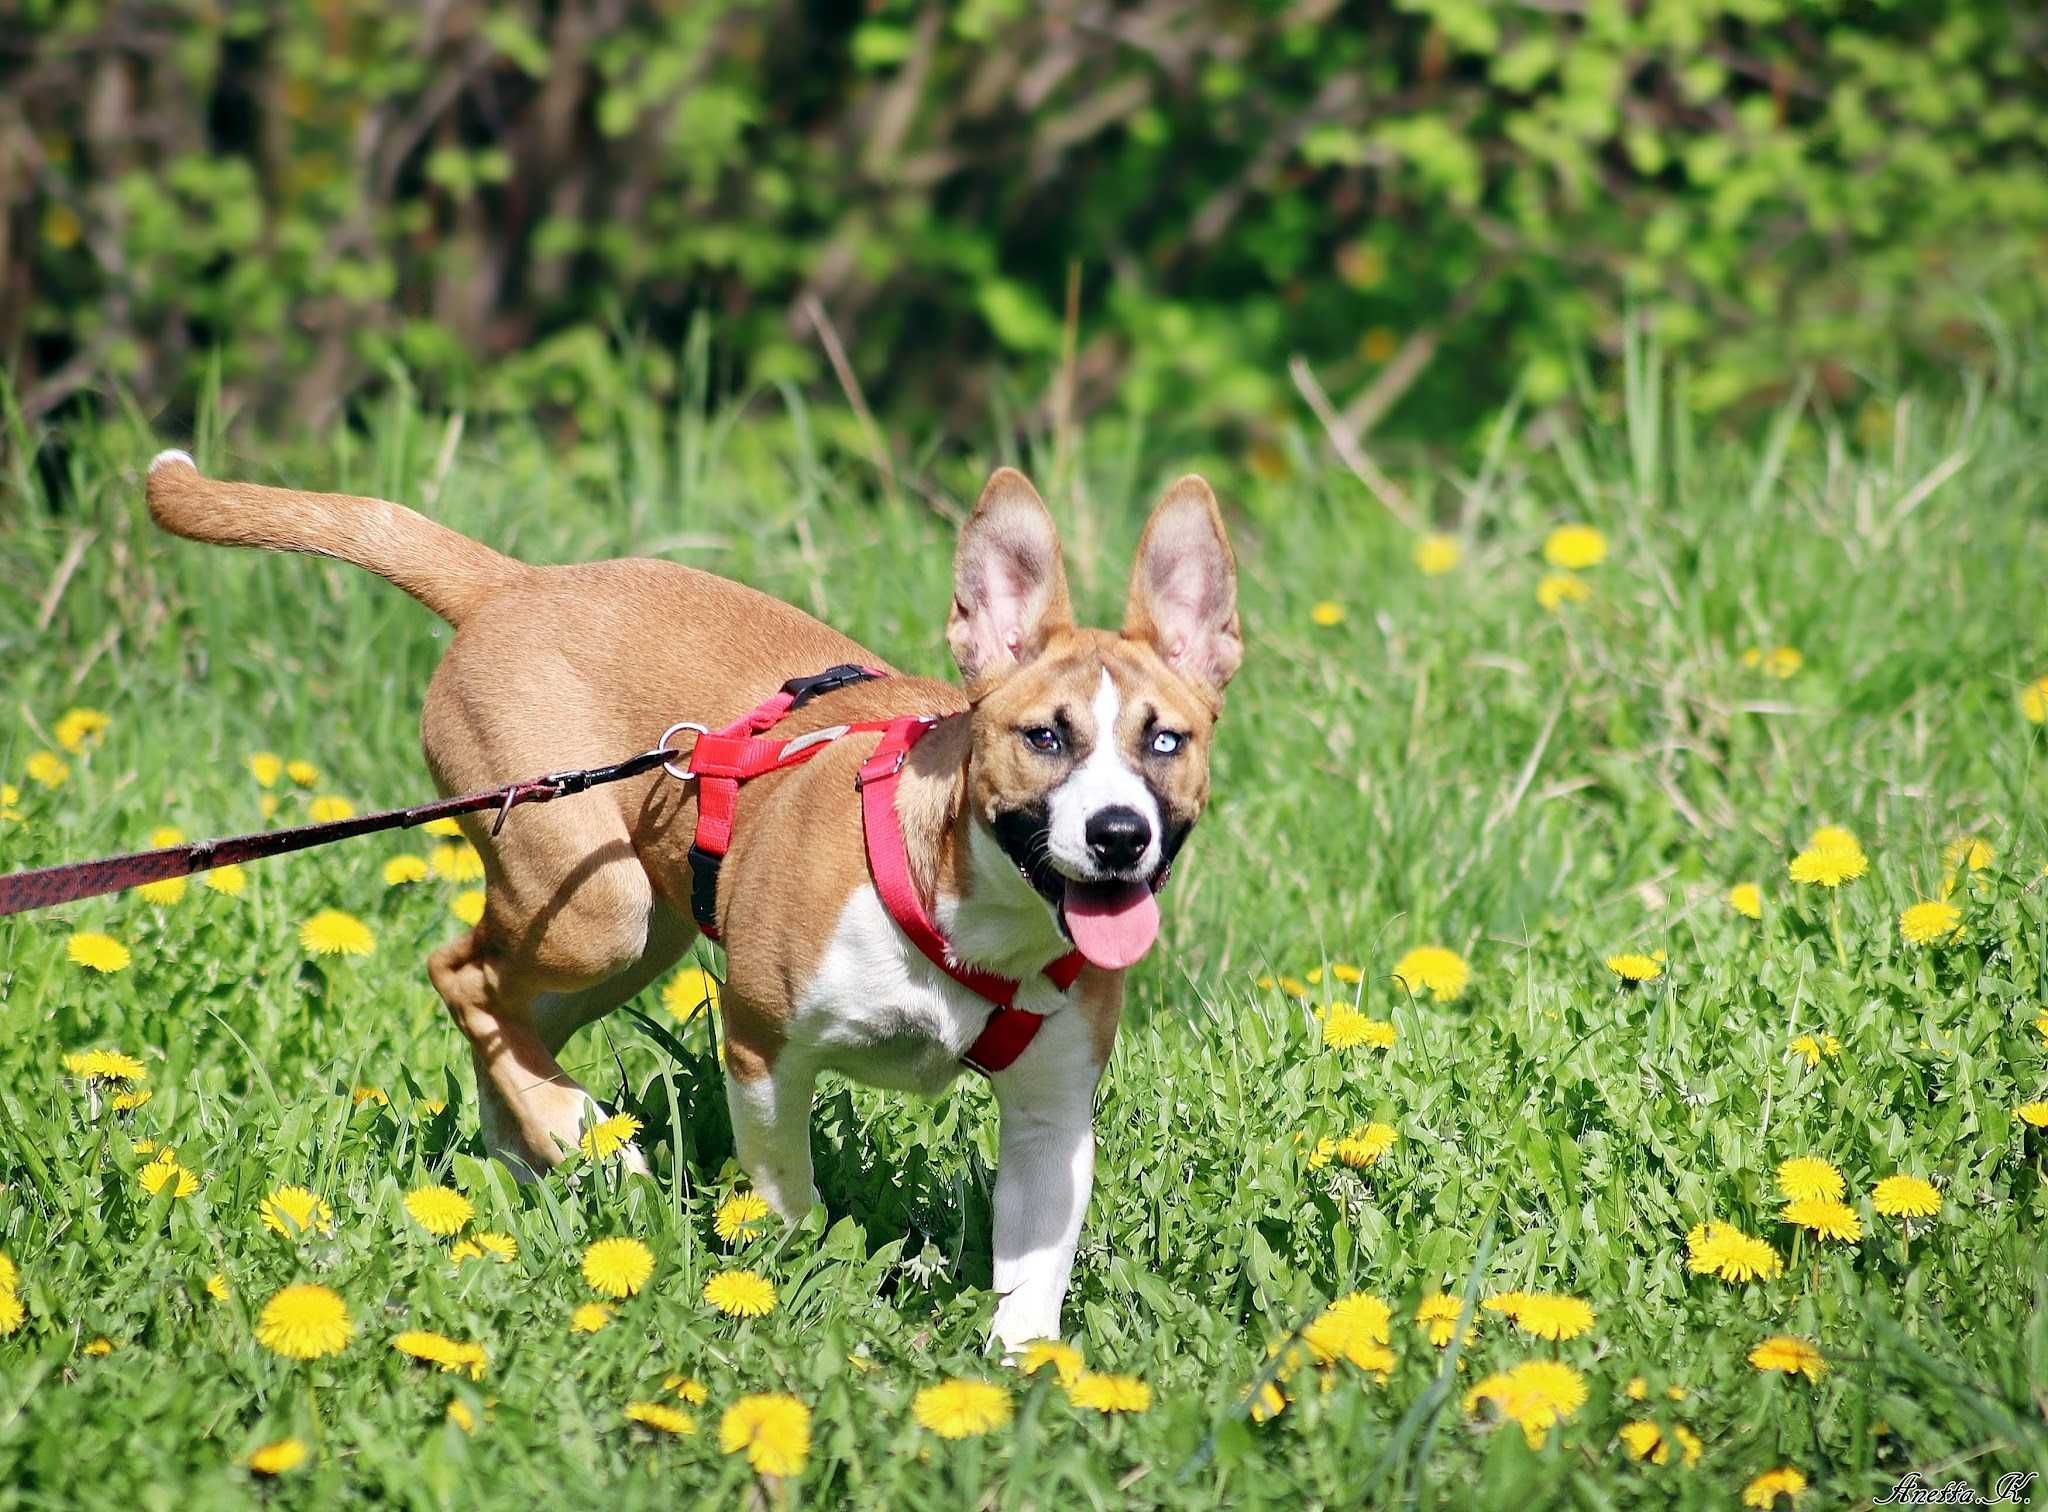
(770, 1099)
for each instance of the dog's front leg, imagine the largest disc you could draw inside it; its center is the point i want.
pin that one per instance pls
(1045, 1172)
(771, 1124)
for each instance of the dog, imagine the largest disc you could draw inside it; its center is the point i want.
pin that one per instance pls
(1038, 814)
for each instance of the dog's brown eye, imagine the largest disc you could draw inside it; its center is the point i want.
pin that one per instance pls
(1043, 739)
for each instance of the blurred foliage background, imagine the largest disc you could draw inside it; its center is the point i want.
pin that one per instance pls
(1435, 203)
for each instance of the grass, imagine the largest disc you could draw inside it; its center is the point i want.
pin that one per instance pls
(1449, 764)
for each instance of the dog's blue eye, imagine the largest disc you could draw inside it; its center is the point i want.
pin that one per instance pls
(1167, 742)
(1043, 740)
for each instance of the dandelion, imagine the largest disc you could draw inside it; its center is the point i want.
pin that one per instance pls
(1828, 868)
(689, 992)
(104, 1066)
(1721, 1249)
(2034, 701)
(1556, 589)
(304, 1322)
(1792, 1356)
(1550, 1317)
(1265, 1402)
(1924, 923)
(618, 1266)
(278, 1458)
(660, 1417)
(1110, 1393)
(1826, 1217)
(230, 881)
(1436, 554)
(447, 829)
(399, 871)
(1327, 615)
(2035, 1113)
(589, 1318)
(502, 1248)
(1747, 899)
(1905, 1197)
(1063, 1359)
(1443, 973)
(604, 1139)
(9, 796)
(458, 862)
(1535, 1394)
(1780, 662)
(265, 767)
(467, 906)
(1575, 547)
(1347, 973)
(302, 773)
(1765, 1490)
(164, 1171)
(1353, 1328)
(739, 1215)
(164, 892)
(1438, 1318)
(772, 1429)
(332, 932)
(960, 1409)
(97, 952)
(99, 1348)
(689, 1388)
(47, 769)
(1346, 1028)
(740, 1294)
(1364, 1146)
(77, 728)
(1968, 853)
(361, 1095)
(129, 1101)
(294, 1210)
(1645, 1440)
(217, 1287)
(330, 810)
(439, 1210)
(1809, 1176)
(460, 1415)
(1635, 968)
(439, 1349)
(12, 1313)
(1815, 1048)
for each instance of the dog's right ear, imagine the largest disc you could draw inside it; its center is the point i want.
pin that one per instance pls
(1009, 586)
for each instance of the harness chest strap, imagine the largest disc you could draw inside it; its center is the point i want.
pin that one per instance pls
(722, 759)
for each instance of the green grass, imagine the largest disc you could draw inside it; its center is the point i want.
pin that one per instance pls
(1450, 764)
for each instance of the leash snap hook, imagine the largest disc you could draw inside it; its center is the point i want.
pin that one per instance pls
(685, 775)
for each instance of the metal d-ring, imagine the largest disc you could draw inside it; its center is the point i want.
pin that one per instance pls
(669, 734)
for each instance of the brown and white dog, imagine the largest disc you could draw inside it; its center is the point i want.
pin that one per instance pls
(1037, 814)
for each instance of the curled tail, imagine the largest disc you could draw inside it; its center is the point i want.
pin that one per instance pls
(442, 568)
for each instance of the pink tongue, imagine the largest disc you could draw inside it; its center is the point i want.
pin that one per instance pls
(1113, 924)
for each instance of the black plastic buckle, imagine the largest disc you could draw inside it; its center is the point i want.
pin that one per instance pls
(704, 886)
(804, 689)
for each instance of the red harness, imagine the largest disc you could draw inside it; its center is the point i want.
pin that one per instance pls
(723, 759)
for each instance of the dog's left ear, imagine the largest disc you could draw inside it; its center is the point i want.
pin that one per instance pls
(1009, 586)
(1183, 595)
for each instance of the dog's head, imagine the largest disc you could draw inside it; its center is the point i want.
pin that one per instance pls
(1091, 747)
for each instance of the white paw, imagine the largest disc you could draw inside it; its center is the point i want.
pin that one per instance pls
(167, 458)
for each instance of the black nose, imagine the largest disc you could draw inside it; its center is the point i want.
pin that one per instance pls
(1117, 836)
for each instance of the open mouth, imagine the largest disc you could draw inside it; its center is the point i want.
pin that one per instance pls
(1112, 924)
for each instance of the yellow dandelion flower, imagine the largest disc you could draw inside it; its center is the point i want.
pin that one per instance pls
(1536, 1395)
(47, 769)
(77, 728)
(439, 1349)
(99, 1348)
(430, 1107)
(1436, 554)
(164, 1171)
(1064, 1360)
(1265, 1402)
(1815, 1048)
(165, 835)
(12, 1313)
(9, 796)
(1327, 615)
(1969, 853)
(1556, 589)
(332, 932)
(1809, 1176)
(1721, 1249)
(458, 862)
(1353, 1328)
(1924, 923)
(772, 1429)
(266, 767)
(1825, 1217)
(1833, 837)
(304, 1322)
(618, 1266)
(1508, 1304)
(1635, 968)
(217, 1287)
(1793, 1356)
(689, 1388)
(1827, 868)
(1364, 1146)
(1781, 662)
(302, 773)
(960, 1409)
(401, 870)
(1552, 1317)
(502, 1248)
(609, 1136)
(447, 829)
(97, 952)
(740, 1293)
(361, 1095)
(1575, 547)
(1645, 1440)
(128, 1102)
(164, 892)
(294, 1210)
(1638, 1389)
(1747, 899)
(267, 807)
(2035, 1113)
(468, 905)
(1347, 973)
(589, 1318)
(1765, 1490)
(1905, 1197)
(1294, 986)
(440, 1210)
(278, 1458)
(10, 1274)
(1442, 973)
(330, 809)
(1437, 1316)
(104, 1065)
(1345, 1028)
(661, 1417)
(230, 881)
(689, 992)
(460, 1415)
(740, 1214)
(1110, 1393)
(2034, 701)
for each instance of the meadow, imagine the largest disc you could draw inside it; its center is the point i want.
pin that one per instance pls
(1810, 662)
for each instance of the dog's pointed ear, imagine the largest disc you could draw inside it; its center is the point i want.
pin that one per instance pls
(1009, 586)
(1184, 587)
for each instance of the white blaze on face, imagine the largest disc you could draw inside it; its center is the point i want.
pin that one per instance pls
(1104, 780)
